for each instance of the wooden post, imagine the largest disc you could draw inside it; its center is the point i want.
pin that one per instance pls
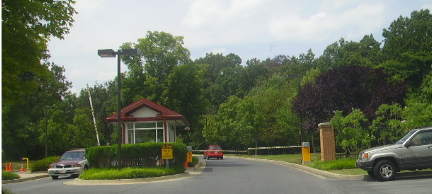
(327, 142)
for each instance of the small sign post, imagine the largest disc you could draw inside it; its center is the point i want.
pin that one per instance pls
(167, 154)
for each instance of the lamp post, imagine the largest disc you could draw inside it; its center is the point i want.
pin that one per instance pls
(111, 53)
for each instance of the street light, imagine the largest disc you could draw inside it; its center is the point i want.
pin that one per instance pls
(111, 53)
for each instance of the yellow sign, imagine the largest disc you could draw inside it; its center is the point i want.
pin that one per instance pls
(189, 157)
(167, 154)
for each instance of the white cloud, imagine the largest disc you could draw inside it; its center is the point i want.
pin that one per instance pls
(209, 12)
(326, 23)
(219, 50)
(427, 6)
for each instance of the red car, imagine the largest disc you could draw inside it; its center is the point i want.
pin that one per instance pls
(214, 151)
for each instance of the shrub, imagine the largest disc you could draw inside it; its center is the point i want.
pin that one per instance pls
(134, 155)
(9, 175)
(43, 164)
(127, 173)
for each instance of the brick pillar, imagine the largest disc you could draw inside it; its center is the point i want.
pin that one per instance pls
(327, 142)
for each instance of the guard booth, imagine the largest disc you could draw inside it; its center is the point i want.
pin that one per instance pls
(146, 121)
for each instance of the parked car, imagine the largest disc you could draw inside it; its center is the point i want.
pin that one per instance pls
(71, 163)
(413, 151)
(213, 151)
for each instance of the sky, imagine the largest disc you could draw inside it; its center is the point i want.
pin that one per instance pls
(248, 28)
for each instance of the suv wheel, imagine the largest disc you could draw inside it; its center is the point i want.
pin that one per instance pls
(54, 177)
(384, 170)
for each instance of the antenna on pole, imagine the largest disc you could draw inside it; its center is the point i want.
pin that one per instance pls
(94, 119)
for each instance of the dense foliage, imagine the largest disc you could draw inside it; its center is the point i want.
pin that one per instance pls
(366, 88)
(342, 89)
(132, 155)
(43, 164)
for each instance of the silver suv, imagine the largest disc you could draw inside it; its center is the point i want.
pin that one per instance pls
(413, 151)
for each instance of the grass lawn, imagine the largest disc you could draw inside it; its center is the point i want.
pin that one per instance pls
(127, 173)
(9, 175)
(343, 163)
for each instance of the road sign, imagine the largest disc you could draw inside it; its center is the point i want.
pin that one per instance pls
(167, 152)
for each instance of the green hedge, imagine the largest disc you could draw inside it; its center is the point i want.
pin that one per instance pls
(134, 155)
(43, 164)
(9, 175)
(127, 173)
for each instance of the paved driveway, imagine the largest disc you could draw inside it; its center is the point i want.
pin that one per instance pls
(232, 176)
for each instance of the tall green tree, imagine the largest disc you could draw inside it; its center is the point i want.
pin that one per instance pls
(184, 94)
(26, 28)
(29, 82)
(159, 52)
(407, 43)
(366, 52)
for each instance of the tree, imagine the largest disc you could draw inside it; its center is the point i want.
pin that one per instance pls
(263, 117)
(408, 34)
(343, 89)
(387, 127)
(221, 128)
(367, 52)
(29, 82)
(223, 77)
(184, 94)
(160, 52)
(351, 131)
(26, 28)
(407, 43)
(418, 112)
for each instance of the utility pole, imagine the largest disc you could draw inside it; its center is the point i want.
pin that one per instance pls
(94, 119)
(46, 134)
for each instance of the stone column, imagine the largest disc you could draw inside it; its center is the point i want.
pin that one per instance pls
(327, 142)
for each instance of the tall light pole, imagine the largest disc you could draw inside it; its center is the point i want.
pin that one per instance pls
(119, 53)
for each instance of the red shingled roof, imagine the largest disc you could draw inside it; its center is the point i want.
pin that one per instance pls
(164, 112)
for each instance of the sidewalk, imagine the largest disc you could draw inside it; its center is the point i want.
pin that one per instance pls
(27, 176)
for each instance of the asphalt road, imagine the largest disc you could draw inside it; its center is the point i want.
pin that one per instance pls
(237, 176)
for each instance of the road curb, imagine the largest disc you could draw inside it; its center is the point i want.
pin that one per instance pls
(308, 169)
(187, 174)
(24, 179)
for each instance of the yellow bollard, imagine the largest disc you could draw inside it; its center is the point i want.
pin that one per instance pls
(27, 165)
(306, 155)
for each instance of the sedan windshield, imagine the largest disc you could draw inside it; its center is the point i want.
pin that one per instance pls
(401, 141)
(72, 156)
(215, 148)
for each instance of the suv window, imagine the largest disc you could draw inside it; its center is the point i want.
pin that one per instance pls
(422, 138)
(401, 141)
